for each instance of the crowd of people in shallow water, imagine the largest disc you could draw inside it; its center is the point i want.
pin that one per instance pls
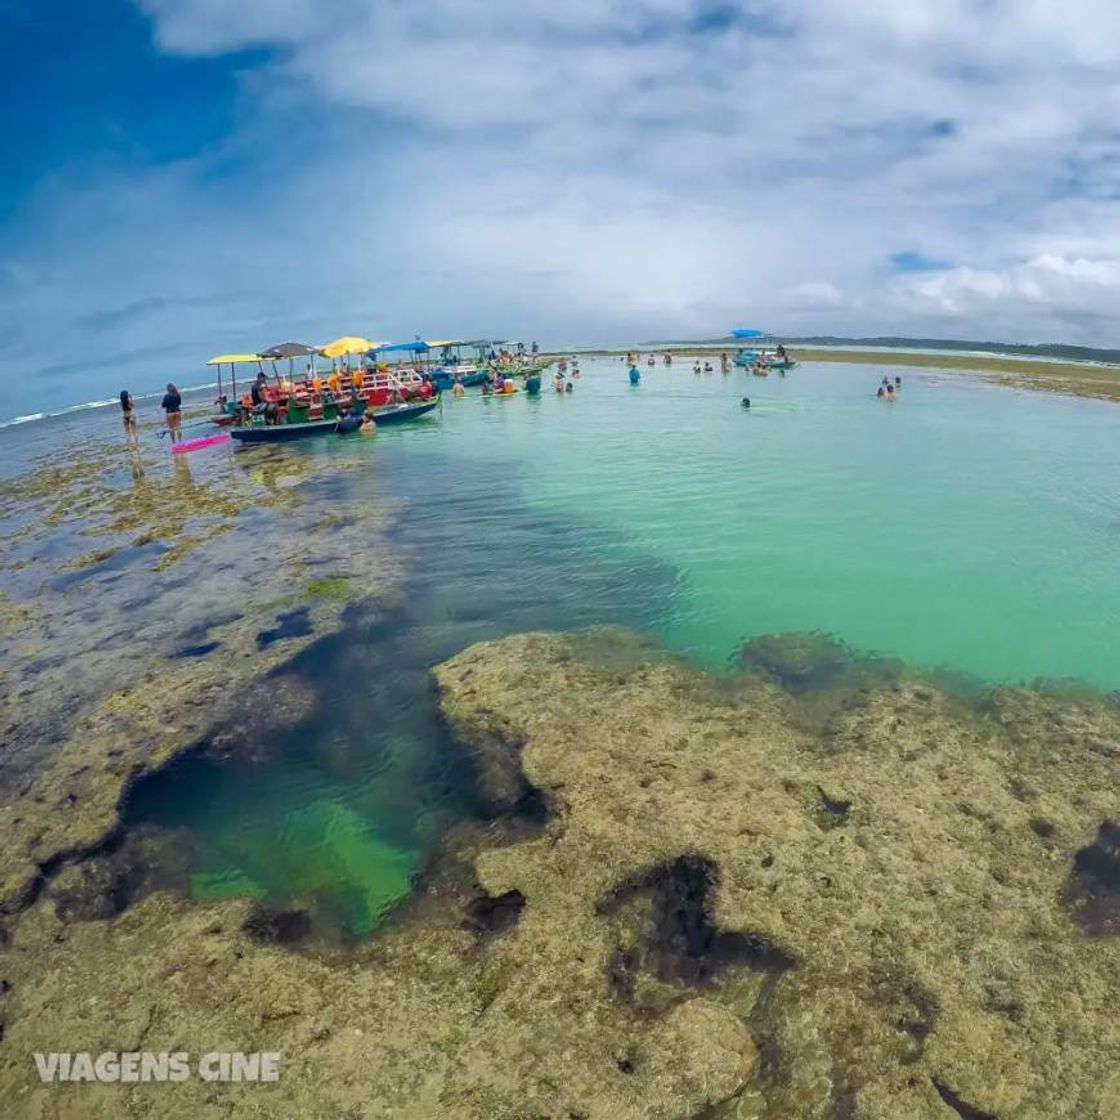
(337, 382)
(888, 389)
(562, 383)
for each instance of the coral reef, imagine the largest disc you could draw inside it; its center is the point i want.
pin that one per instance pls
(912, 910)
(903, 905)
(113, 663)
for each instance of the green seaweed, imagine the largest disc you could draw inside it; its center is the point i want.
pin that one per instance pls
(335, 589)
(326, 851)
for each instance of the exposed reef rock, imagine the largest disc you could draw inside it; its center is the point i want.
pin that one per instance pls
(901, 907)
(109, 670)
(914, 912)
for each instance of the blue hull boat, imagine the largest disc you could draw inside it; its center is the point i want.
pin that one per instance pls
(443, 379)
(284, 433)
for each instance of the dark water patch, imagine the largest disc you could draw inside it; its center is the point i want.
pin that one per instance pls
(960, 1106)
(200, 650)
(831, 812)
(295, 623)
(674, 937)
(108, 566)
(268, 925)
(1092, 890)
(487, 916)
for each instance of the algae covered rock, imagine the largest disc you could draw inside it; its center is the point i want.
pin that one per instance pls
(912, 910)
(732, 900)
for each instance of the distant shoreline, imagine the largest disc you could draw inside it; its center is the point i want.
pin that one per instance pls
(1079, 379)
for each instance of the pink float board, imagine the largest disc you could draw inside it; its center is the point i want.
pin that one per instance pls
(204, 441)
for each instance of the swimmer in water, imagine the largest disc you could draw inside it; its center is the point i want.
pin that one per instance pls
(746, 402)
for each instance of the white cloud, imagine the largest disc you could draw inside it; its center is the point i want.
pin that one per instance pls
(1078, 291)
(608, 169)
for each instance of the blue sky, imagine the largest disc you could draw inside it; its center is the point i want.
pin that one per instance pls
(190, 176)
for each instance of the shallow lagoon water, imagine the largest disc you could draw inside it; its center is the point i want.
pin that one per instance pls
(964, 526)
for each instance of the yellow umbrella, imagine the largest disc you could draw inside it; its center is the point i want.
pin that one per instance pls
(348, 345)
(230, 359)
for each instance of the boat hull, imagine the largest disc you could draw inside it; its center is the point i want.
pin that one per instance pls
(443, 379)
(285, 433)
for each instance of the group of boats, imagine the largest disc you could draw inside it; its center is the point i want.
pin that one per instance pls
(366, 383)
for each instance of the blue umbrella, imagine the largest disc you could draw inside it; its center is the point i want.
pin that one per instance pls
(747, 334)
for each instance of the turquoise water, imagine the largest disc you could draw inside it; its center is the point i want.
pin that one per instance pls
(964, 526)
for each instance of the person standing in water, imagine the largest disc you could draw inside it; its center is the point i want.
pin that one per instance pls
(172, 405)
(128, 415)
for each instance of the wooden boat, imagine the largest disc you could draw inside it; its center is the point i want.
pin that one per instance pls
(443, 378)
(283, 433)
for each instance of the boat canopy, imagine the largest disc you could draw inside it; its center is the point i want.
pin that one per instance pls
(436, 342)
(233, 359)
(417, 344)
(289, 350)
(741, 333)
(348, 344)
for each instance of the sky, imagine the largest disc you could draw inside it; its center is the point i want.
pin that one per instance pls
(189, 177)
